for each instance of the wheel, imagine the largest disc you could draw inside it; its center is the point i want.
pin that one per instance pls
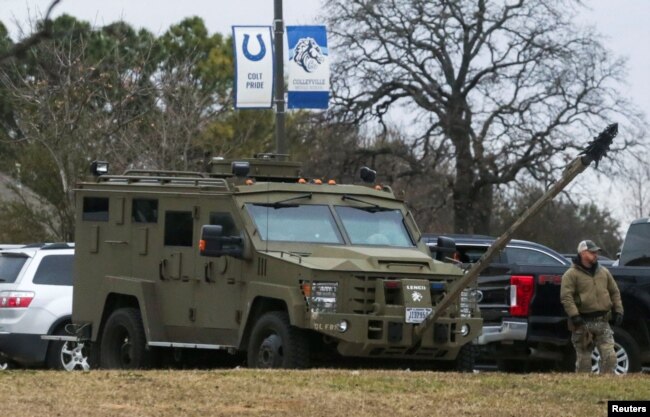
(627, 353)
(67, 356)
(123, 344)
(466, 358)
(274, 343)
(5, 364)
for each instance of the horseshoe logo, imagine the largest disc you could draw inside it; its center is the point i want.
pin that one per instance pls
(250, 56)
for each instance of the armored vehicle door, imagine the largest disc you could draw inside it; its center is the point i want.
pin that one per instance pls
(106, 234)
(217, 297)
(176, 269)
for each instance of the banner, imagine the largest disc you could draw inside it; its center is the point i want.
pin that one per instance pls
(253, 66)
(309, 70)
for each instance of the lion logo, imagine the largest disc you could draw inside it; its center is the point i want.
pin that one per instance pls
(308, 54)
(416, 296)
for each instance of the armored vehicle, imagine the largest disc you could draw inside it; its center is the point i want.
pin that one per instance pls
(250, 257)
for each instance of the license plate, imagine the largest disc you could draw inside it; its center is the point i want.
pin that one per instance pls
(417, 314)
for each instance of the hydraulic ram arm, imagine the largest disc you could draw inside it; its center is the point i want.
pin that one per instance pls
(594, 151)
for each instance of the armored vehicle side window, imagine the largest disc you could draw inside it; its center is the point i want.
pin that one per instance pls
(294, 223)
(178, 228)
(144, 211)
(224, 220)
(374, 226)
(55, 270)
(95, 209)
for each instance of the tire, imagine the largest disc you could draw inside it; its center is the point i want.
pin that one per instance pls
(466, 359)
(124, 344)
(628, 357)
(67, 356)
(6, 364)
(274, 343)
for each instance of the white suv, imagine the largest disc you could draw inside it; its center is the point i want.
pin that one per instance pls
(35, 300)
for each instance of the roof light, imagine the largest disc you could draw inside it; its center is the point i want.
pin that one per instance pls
(98, 168)
(378, 187)
(250, 182)
(331, 182)
(241, 168)
(317, 181)
(367, 175)
(302, 181)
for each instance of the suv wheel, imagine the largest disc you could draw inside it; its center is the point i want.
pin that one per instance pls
(123, 344)
(274, 343)
(66, 355)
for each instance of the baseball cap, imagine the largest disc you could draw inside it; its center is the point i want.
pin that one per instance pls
(587, 245)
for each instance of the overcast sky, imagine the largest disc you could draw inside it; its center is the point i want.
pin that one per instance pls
(624, 23)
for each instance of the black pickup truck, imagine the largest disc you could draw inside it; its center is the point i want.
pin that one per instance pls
(525, 326)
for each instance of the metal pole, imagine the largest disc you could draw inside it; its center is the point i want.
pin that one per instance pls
(595, 151)
(280, 138)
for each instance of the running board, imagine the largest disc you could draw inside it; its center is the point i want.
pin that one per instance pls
(60, 338)
(190, 345)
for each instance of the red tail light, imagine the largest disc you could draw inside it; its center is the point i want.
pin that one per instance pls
(16, 299)
(521, 293)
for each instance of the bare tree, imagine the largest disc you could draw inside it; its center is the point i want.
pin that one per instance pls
(68, 108)
(636, 187)
(497, 88)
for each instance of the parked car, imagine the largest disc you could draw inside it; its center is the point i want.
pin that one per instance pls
(525, 325)
(35, 300)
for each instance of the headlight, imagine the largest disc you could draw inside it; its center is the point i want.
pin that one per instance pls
(464, 330)
(342, 326)
(323, 297)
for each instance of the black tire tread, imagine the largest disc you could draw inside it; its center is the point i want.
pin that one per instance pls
(296, 347)
(126, 317)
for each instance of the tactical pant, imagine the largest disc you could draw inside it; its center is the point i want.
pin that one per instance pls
(594, 333)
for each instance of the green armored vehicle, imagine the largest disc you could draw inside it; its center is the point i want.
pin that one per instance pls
(251, 258)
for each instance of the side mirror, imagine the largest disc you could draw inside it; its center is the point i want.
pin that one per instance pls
(214, 244)
(445, 248)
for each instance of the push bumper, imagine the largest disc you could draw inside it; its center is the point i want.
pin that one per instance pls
(508, 330)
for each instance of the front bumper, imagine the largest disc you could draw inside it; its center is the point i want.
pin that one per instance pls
(508, 330)
(25, 349)
(390, 337)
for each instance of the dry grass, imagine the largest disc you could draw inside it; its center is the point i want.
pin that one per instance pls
(328, 393)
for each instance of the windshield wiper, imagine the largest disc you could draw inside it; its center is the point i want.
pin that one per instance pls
(373, 207)
(284, 203)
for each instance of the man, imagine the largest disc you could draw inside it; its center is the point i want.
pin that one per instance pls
(589, 294)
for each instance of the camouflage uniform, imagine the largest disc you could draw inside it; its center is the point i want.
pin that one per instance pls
(591, 295)
(602, 337)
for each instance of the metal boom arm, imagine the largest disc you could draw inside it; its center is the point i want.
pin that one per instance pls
(594, 152)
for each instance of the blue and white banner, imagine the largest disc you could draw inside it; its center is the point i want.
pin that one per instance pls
(253, 66)
(309, 68)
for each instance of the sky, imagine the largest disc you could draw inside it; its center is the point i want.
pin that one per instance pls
(623, 23)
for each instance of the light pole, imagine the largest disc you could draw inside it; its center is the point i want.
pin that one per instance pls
(280, 105)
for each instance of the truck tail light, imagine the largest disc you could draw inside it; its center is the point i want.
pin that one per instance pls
(16, 299)
(521, 293)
